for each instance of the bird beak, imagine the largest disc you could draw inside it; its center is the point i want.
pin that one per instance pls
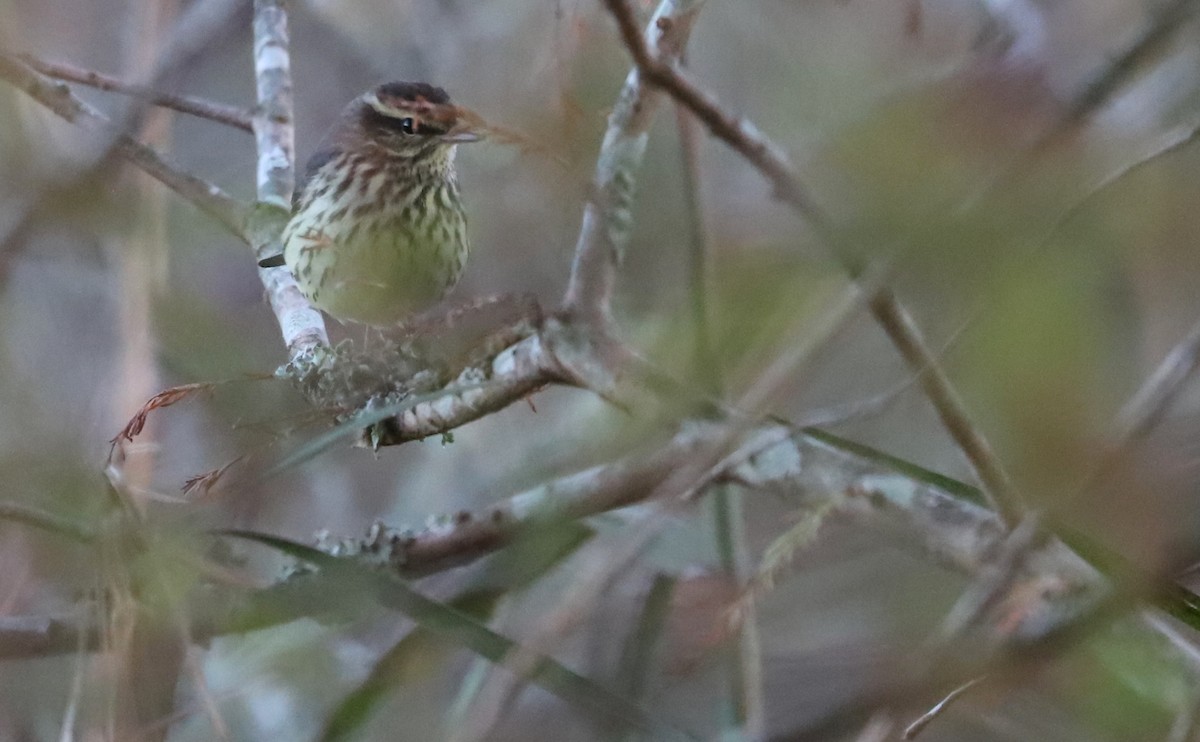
(462, 136)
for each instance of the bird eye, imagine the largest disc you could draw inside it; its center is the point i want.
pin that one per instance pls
(408, 126)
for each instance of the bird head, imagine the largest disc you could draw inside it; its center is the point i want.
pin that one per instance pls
(413, 119)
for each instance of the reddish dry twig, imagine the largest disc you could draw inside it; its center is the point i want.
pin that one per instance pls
(165, 398)
(202, 484)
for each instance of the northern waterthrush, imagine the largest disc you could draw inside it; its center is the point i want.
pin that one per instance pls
(378, 230)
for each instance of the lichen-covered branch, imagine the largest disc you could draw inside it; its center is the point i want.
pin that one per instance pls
(481, 389)
(302, 326)
(607, 220)
(951, 531)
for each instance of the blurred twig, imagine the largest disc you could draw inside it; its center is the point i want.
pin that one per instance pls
(744, 660)
(982, 595)
(1155, 396)
(1171, 142)
(1165, 21)
(200, 25)
(915, 728)
(228, 211)
(205, 109)
(699, 260)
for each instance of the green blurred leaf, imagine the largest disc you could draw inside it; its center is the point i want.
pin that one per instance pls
(419, 653)
(581, 692)
(521, 563)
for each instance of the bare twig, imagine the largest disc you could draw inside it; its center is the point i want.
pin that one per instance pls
(228, 211)
(912, 730)
(991, 586)
(699, 254)
(602, 563)
(1171, 142)
(1165, 21)
(206, 109)
(951, 531)
(1160, 390)
(738, 133)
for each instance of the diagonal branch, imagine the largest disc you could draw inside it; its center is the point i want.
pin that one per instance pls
(205, 109)
(1154, 398)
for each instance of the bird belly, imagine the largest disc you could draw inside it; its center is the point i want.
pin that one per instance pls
(375, 271)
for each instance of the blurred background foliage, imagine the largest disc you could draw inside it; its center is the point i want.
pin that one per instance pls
(1050, 299)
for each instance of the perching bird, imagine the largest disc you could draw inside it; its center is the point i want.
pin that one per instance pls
(378, 230)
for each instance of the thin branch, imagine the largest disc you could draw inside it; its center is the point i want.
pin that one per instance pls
(771, 161)
(699, 254)
(1152, 400)
(951, 531)
(302, 326)
(986, 591)
(914, 729)
(229, 115)
(729, 523)
(1166, 20)
(951, 410)
(228, 211)
(607, 220)
(601, 563)
(1171, 142)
